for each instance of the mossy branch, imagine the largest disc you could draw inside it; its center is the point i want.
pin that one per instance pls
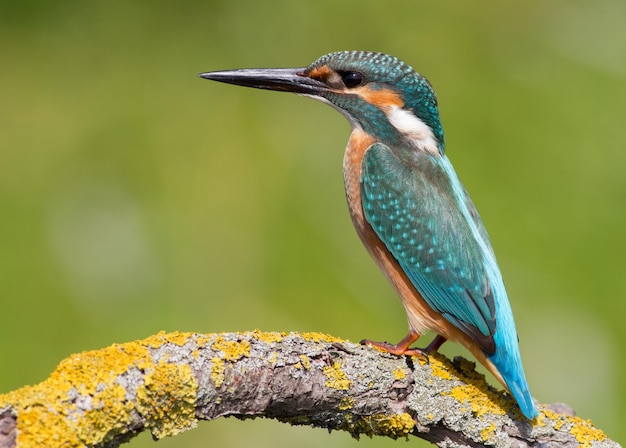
(168, 382)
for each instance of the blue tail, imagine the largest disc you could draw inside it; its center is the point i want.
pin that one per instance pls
(508, 361)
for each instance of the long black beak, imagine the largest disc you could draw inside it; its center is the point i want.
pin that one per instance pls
(281, 79)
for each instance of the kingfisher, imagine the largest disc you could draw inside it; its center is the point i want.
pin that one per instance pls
(409, 207)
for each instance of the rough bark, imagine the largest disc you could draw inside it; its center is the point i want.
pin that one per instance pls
(168, 382)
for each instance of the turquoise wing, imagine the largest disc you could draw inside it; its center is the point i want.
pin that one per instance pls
(419, 210)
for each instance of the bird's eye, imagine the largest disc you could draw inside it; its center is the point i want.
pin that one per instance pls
(351, 79)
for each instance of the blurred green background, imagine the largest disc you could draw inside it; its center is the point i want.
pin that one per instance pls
(135, 197)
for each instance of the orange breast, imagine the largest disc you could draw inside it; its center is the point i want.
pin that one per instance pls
(421, 316)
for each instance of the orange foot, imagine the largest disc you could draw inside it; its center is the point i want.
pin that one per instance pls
(402, 347)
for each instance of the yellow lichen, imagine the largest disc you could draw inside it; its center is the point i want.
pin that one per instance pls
(162, 337)
(539, 420)
(474, 392)
(233, 350)
(90, 375)
(399, 373)
(217, 371)
(585, 432)
(438, 368)
(558, 424)
(394, 426)
(488, 432)
(320, 337)
(306, 362)
(479, 402)
(268, 337)
(84, 401)
(113, 400)
(346, 403)
(204, 339)
(273, 358)
(556, 419)
(167, 399)
(337, 378)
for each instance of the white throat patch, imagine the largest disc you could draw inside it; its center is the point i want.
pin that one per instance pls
(413, 129)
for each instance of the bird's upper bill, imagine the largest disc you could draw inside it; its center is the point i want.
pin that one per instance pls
(283, 79)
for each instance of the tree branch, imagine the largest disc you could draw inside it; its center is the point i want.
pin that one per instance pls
(167, 382)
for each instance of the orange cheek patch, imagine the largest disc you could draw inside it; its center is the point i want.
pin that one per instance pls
(381, 98)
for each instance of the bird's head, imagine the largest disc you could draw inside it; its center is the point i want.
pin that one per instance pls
(378, 93)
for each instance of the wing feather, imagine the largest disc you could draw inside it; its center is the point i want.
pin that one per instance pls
(414, 208)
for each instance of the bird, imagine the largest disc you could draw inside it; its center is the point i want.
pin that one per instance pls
(409, 207)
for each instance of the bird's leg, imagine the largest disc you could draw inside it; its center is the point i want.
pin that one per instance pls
(396, 349)
(402, 347)
(435, 344)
